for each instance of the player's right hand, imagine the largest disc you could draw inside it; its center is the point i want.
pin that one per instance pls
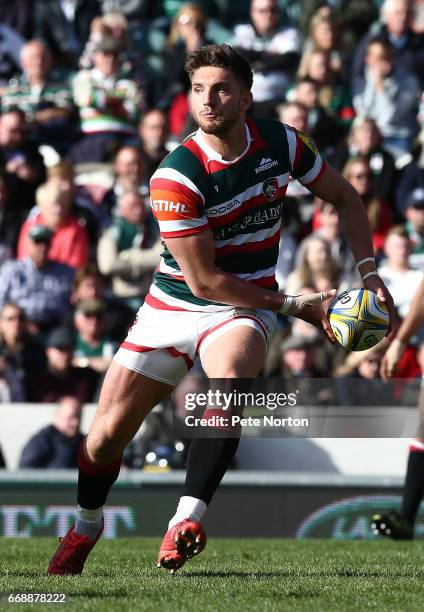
(391, 359)
(308, 307)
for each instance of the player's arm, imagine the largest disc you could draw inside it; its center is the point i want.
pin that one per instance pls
(195, 256)
(410, 325)
(332, 187)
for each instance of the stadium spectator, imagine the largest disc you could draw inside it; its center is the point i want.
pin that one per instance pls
(92, 347)
(11, 43)
(394, 30)
(325, 36)
(390, 95)
(109, 103)
(41, 287)
(153, 132)
(411, 177)
(315, 267)
(70, 240)
(334, 95)
(112, 25)
(45, 96)
(298, 357)
(61, 377)
(327, 225)
(273, 50)
(9, 219)
(133, 62)
(294, 114)
(358, 380)
(414, 214)
(85, 199)
(128, 252)
(352, 16)
(396, 272)
(358, 172)
(56, 446)
(89, 284)
(2, 460)
(365, 139)
(64, 27)
(322, 127)
(20, 158)
(21, 349)
(130, 175)
(187, 34)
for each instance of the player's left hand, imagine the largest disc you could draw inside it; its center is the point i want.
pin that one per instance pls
(376, 284)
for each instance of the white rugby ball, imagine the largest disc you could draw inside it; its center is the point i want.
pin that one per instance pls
(358, 319)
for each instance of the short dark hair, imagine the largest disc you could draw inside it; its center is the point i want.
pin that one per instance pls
(378, 40)
(220, 56)
(307, 79)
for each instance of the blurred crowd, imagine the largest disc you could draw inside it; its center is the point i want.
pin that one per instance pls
(93, 95)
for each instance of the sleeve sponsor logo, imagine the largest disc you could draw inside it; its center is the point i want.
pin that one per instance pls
(307, 140)
(170, 206)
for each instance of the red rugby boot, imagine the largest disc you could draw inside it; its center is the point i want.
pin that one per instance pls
(72, 553)
(181, 542)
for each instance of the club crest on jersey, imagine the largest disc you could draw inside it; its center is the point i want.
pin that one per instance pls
(270, 189)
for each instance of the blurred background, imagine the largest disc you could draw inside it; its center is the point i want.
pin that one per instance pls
(93, 96)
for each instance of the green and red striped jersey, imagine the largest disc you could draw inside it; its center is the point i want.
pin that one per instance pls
(240, 201)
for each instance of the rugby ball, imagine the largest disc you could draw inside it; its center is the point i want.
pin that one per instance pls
(358, 319)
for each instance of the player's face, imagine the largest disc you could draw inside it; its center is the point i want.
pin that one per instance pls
(219, 100)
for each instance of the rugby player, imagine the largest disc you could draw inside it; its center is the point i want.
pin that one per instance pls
(218, 198)
(399, 525)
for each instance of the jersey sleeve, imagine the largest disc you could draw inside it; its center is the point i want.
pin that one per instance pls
(177, 204)
(306, 162)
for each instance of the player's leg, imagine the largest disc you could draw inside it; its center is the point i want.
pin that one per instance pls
(126, 398)
(235, 354)
(400, 525)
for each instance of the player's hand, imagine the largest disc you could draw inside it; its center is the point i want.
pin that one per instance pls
(376, 284)
(391, 359)
(308, 307)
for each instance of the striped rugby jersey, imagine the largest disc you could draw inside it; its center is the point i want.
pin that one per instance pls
(240, 201)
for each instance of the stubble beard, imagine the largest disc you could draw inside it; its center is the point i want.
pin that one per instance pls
(220, 126)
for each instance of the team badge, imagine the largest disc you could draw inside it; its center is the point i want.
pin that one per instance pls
(270, 189)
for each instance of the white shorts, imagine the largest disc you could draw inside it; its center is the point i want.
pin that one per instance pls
(163, 344)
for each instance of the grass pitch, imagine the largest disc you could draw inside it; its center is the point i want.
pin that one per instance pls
(247, 575)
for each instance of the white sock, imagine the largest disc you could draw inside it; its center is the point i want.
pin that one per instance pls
(89, 522)
(188, 508)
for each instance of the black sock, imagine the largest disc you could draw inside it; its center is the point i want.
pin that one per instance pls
(207, 461)
(414, 486)
(95, 482)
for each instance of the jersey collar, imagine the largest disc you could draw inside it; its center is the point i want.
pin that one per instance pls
(214, 155)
